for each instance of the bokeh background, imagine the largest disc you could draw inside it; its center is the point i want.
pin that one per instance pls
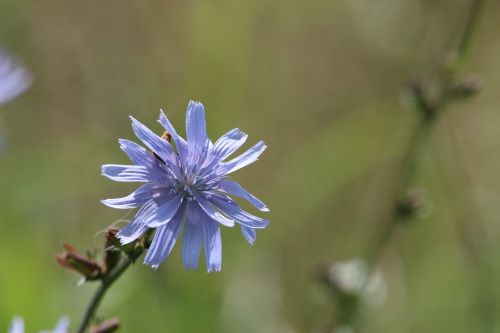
(322, 82)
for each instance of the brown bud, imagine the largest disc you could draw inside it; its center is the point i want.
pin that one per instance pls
(108, 326)
(411, 204)
(111, 238)
(468, 87)
(73, 260)
(112, 249)
(166, 136)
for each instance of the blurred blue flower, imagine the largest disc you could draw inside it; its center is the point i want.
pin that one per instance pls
(14, 77)
(17, 326)
(187, 186)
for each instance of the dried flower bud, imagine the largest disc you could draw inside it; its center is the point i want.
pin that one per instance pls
(468, 87)
(166, 136)
(73, 260)
(112, 249)
(108, 326)
(411, 204)
(111, 238)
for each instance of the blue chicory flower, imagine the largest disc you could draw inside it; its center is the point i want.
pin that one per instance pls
(188, 186)
(17, 326)
(14, 77)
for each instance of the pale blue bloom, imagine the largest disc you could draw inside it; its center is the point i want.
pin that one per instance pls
(17, 326)
(14, 77)
(188, 186)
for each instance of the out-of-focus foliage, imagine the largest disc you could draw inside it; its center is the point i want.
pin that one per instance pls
(321, 83)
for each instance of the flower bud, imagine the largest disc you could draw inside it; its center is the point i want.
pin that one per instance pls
(73, 260)
(167, 136)
(112, 249)
(411, 205)
(468, 87)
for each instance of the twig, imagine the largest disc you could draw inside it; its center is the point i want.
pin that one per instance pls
(106, 283)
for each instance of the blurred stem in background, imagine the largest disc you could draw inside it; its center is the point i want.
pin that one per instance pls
(473, 241)
(402, 205)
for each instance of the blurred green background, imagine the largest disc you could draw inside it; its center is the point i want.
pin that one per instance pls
(321, 82)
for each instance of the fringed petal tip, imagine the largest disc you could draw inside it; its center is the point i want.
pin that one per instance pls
(193, 103)
(214, 268)
(154, 267)
(249, 234)
(124, 240)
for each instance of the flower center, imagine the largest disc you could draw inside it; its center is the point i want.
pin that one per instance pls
(188, 186)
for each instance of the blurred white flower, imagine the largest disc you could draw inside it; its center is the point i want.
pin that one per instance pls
(17, 326)
(14, 77)
(354, 277)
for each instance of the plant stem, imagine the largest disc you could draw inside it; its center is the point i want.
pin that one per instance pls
(406, 172)
(429, 113)
(407, 168)
(470, 25)
(106, 283)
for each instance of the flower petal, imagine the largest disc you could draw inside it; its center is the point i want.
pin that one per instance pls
(130, 173)
(248, 157)
(212, 244)
(137, 154)
(229, 143)
(135, 228)
(139, 197)
(223, 148)
(14, 77)
(17, 325)
(234, 188)
(158, 145)
(233, 211)
(206, 206)
(180, 143)
(196, 131)
(166, 210)
(62, 325)
(249, 234)
(164, 240)
(193, 237)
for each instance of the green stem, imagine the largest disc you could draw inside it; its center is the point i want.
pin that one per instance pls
(470, 26)
(106, 283)
(406, 172)
(429, 114)
(461, 52)
(413, 148)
